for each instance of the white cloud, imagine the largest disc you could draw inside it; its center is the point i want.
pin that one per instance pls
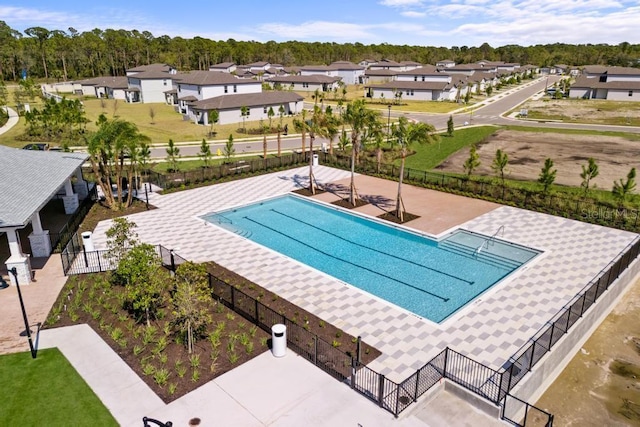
(318, 30)
(401, 3)
(413, 14)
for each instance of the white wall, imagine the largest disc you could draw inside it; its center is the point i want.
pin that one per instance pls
(623, 95)
(350, 77)
(152, 90)
(257, 113)
(418, 78)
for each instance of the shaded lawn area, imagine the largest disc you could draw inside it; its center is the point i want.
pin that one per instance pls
(47, 391)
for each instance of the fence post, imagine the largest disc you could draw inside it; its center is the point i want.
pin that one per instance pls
(233, 297)
(444, 366)
(315, 350)
(146, 195)
(86, 260)
(256, 306)
(353, 373)
(415, 393)
(381, 390)
(358, 350)
(173, 261)
(99, 265)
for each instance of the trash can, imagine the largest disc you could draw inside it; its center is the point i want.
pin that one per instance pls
(279, 340)
(87, 241)
(315, 160)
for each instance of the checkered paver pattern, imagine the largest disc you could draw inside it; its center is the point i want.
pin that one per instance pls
(490, 329)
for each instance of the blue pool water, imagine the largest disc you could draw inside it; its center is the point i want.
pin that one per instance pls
(430, 278)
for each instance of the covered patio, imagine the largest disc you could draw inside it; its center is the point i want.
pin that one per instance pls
(38, 190)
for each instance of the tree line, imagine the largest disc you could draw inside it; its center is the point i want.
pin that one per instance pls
(56, 54)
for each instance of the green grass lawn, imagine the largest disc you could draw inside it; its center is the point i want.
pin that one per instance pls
(47, 391)
(429, 156)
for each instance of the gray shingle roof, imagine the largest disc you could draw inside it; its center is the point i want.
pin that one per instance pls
(29, 178)
(398, 84)
(312, 78)
(209, 78)
(228, 102)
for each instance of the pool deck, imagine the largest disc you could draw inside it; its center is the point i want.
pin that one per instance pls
(490, 329)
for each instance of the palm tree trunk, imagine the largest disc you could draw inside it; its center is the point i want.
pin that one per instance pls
(312, 188)
(399, 204)
(352, 186)
(264, 150)
(279, 141)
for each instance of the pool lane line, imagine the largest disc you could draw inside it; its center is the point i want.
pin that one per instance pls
(468, 282)
(348, 262)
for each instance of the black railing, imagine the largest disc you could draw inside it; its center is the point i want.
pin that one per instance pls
(324, 355)
(60, 239)
(474, 376)
(543, 341)
(521, 413)
(238, 168)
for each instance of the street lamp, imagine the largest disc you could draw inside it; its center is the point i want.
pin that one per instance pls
(388, 122)
(14, 271)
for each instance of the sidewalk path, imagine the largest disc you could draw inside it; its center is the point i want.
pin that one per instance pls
(13, 120)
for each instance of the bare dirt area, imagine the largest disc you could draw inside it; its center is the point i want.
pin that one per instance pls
(585, 111)
(601, 384)
(527, 152)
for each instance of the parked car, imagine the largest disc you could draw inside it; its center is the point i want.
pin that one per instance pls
(40, 146)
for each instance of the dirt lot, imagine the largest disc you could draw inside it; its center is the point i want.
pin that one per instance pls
(527, 151)
(601, 386)
(585, 111)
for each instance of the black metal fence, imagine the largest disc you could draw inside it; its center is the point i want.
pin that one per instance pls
(582, 209)
(474, 376)
(238, 167)
(521, 413)
(308, 345)
(60, 239)
(543, 341)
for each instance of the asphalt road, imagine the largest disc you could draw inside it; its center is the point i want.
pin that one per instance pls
(490, 112)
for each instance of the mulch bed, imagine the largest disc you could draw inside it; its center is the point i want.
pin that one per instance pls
(105, 315)
(344, 203)
(391, 217)
(100, 212)
(325, 331)
(306, 192)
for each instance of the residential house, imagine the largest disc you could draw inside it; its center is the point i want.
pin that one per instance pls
(148, 86)
(229, 107)
(446, 63)
(103, 87)
(378, 76)
(610, 83)
(198, 85)
(308, 83)
(349, 72)
(258, 67)
(223, 67)
(163, 68)
(410, 65)
(387, 64)
(428, 73)
(413, 91)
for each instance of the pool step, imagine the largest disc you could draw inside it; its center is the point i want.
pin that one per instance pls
(243, 233)
(484, 255)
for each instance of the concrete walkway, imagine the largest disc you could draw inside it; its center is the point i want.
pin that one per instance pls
(265, 391)
(13, 120)
(38, 298)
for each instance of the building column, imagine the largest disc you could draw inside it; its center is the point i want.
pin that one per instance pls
(80, 187)
(70, 200)
(17, 259)
(39, 238)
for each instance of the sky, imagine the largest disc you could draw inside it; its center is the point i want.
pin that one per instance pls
(398, 22)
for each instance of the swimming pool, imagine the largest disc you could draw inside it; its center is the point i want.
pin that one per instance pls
(431, 278)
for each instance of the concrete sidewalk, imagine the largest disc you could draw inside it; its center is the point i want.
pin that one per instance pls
(13, 120)
(265, 391)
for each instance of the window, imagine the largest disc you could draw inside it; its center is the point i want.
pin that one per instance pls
(164, 82)
(410, 92)
(235, 88)
(305, 84)
(199, 88)
(422, 78)
(264, 109)
(415, 78)
(226, 89)
(179, 87)
(630, 93)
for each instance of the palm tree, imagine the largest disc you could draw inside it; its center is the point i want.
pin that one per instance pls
(270, 114)
(108, 146)
(330, 125)
(244, 112)
(360, 118)
(302, 126)
(408, 134)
